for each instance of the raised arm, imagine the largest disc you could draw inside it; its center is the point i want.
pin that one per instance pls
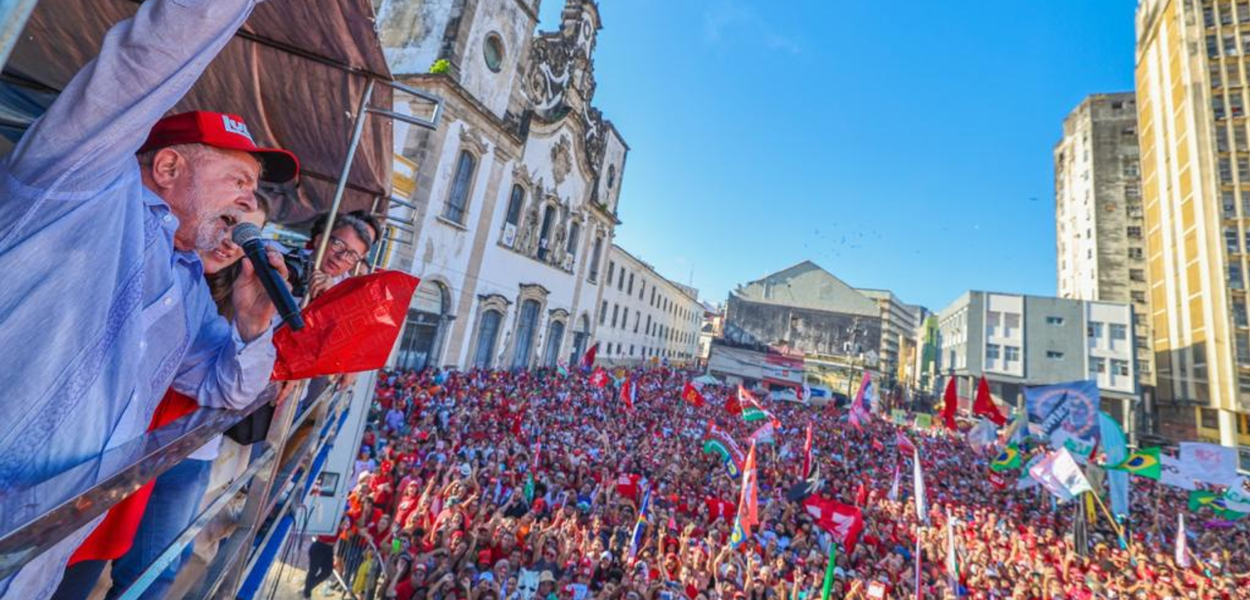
(145, 66)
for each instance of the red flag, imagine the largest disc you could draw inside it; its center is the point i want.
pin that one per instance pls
(588, 359)
(599, 378)
(984, 404)
(877, 445)
(904, 444)
(516, 424)
(352, 327)
(692, 395)
(628, 393)
(952, 404)
(732, 406)
(861, 495)
(748, 499)
(807, 453)
(997, 481)
(843, 521)
(627, 485)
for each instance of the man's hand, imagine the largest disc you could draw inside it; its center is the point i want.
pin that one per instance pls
(319, 283)
(253, 311)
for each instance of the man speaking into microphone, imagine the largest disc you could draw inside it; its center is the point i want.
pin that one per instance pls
(104, 304)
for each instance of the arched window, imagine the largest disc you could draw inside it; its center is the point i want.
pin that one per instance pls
(515, 201)
(487, 334)
(423, 326)
(549, 215)
(580, 336)
(555, 337)
(458, 198)
(527, 321)
(575, 230)
(594, 259)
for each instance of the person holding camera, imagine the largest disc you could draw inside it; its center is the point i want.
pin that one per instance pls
(353, 236)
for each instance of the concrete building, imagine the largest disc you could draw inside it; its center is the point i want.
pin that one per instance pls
(898, 330)
(514, 199)
(1195, 172)
(1017, 341)
(795, 319)
(644, 316)
(712, 328)
(1098, 213)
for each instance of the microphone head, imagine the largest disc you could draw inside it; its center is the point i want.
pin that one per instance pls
(244, 233)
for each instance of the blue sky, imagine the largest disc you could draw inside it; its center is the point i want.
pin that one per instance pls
(906, 148)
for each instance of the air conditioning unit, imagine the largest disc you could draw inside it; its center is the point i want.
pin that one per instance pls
(509, 234)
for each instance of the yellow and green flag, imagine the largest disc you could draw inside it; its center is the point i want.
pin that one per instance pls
(1143, 463)
(1006, 460)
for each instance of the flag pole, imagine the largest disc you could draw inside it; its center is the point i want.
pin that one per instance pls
(1119, 531)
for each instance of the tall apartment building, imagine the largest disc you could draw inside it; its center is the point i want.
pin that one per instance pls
(644, 317)
(1195, 171)
(1099, 229)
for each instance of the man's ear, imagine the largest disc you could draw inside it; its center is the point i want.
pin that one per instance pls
(167, 166)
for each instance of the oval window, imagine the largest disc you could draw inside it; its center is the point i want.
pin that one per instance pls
(611, 176)
(493, 52)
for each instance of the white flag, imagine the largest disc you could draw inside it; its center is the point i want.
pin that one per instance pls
(982, 435)
(921, 510)
(1209, 463)
(1172, 473)
(894, 488)
(1060, 475)
(1237, 498)
(1182, 544)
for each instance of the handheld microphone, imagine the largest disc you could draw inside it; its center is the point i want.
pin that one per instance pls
(247, 236)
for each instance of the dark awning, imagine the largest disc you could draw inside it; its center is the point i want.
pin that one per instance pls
(295, 72)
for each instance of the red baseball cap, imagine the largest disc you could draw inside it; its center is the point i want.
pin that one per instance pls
(221, 130)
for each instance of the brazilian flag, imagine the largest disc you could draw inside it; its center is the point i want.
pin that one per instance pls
(1006, 460)
(1144, 463)
(1201, 498)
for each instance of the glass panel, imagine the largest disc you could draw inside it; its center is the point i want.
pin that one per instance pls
(555, 336)
(487, 333)
(528, 319)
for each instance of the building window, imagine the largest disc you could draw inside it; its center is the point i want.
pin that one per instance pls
(1139, 297)
(1226, 171)
(603, 314)
(1217, 107)
(575, 231)
(492, 51)
(1097, 365)
(594, 260)
(616, 313)
(1011, 323)
(1134, 231)
(1213, 46)
(527, 323)
(992, 351)
(458, 199)
(642, 288)
(1136, 275)
(624, 317)
(1234, 276)
(631, 285)
(512, 219)
(620, 280)
(1052, 320)
(1136, 253)
(1054, 355)
(555, 339)
(544, 233)
(1011, 353)
(1229, 202)
(611, 176)
(1239, 314)
(487, 335)
(1232, 239)
(1119, 367)
(1094, 329)
(1119, 331)
(611, 270)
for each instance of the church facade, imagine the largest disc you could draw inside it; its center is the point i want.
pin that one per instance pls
(514, 203)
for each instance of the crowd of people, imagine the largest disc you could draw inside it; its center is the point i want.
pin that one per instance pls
(514, 485)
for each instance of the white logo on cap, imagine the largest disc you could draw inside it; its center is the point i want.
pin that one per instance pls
(236, 127)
